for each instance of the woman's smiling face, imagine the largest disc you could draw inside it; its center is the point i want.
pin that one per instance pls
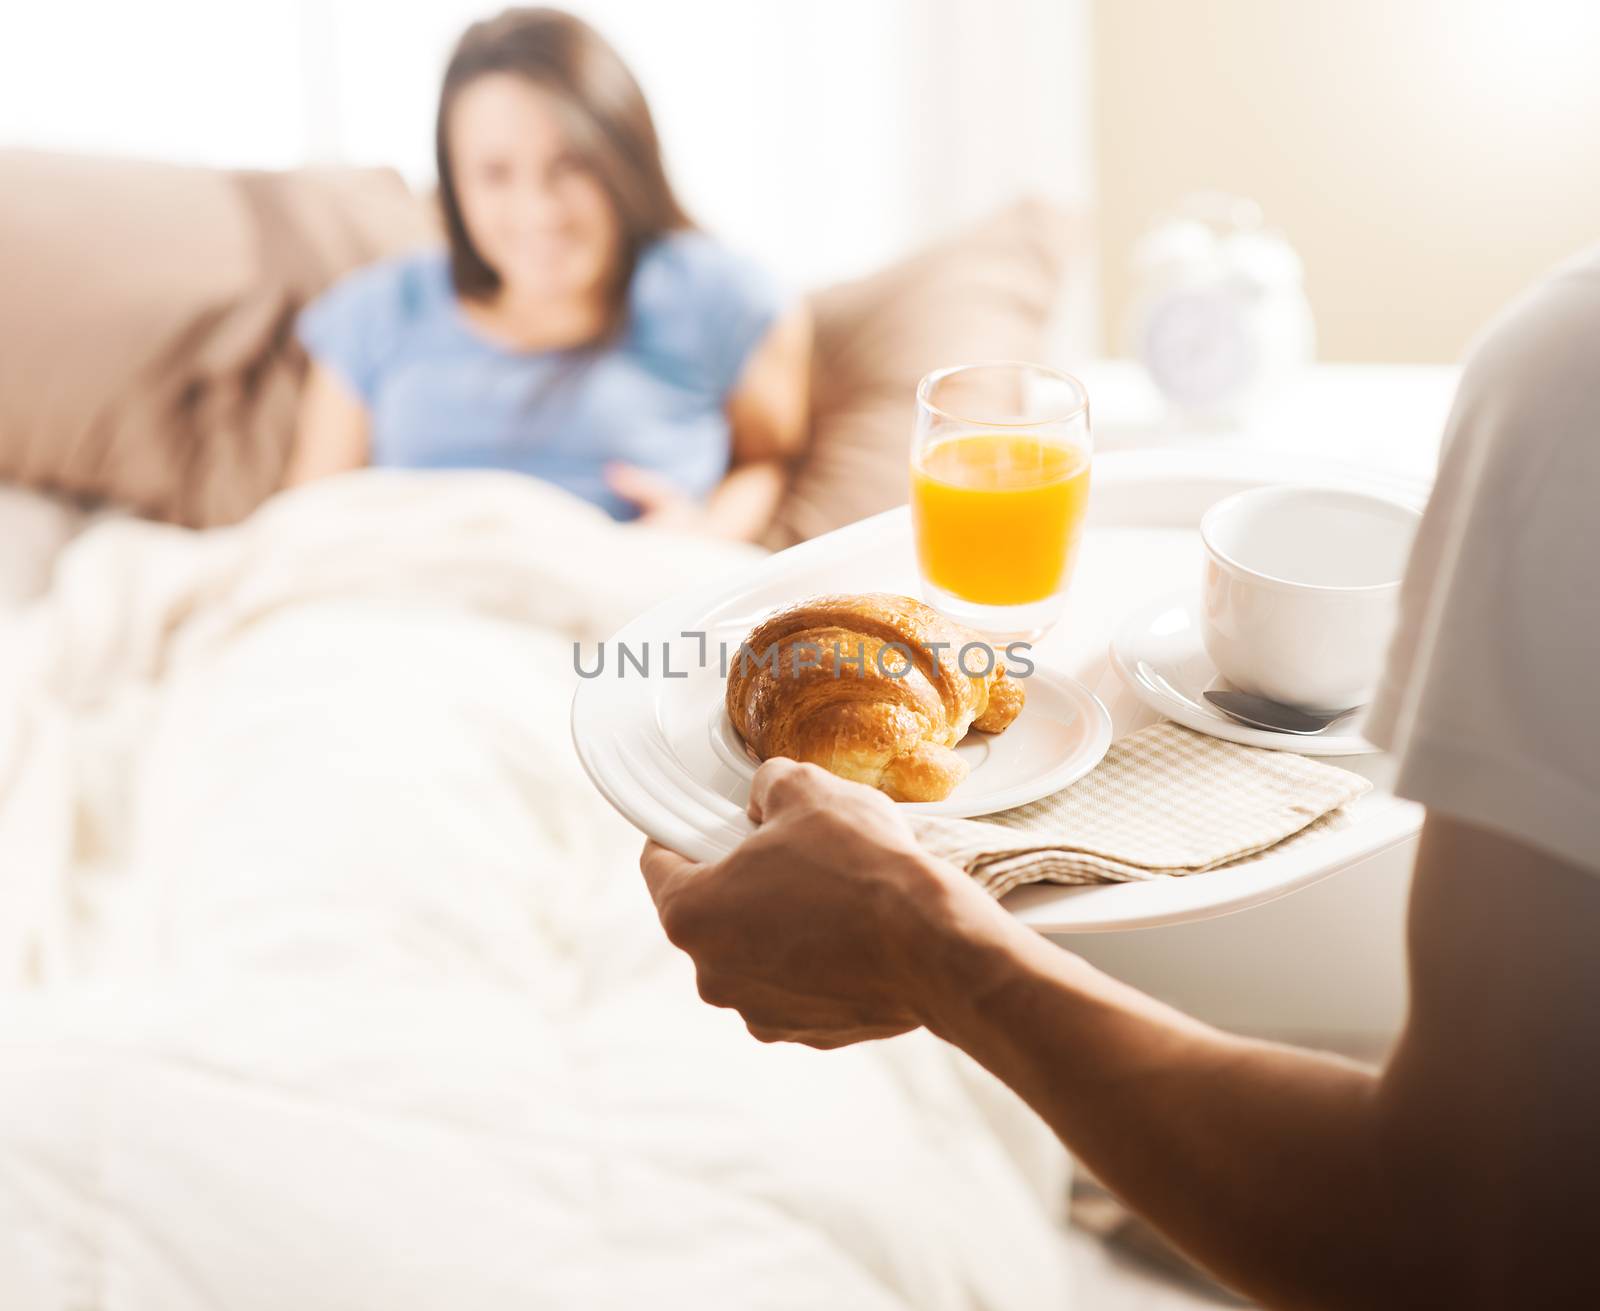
(534, 210)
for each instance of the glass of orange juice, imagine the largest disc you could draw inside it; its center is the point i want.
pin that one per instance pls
(999, 486)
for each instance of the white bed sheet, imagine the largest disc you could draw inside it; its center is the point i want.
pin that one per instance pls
(330, 982)
(34, 527)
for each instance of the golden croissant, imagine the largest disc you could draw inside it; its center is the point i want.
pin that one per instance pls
(877, 688)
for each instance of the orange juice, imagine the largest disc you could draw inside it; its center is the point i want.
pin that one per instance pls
(998, 515)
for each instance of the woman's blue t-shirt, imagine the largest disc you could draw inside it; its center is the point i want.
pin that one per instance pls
(441, 394)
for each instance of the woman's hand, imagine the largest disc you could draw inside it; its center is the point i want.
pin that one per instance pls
(661, 503)
(829, 925)
(740, 507)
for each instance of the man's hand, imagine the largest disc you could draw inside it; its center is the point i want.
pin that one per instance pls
(829, 925)
(1462, 1176)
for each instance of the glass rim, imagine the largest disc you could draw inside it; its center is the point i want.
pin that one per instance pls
(932, 379)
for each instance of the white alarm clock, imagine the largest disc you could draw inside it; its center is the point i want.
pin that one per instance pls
(1220, 311)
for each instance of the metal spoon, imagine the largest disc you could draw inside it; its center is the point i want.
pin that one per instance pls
(1259, 712)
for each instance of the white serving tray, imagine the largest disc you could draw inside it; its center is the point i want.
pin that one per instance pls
(647, 745)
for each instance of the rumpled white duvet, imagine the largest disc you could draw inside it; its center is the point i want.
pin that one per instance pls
(330, 982)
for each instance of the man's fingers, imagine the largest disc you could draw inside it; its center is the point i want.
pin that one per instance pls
(825, 1040)
(662, 867)
(777, 783)
(828, 1041)
(781, 783)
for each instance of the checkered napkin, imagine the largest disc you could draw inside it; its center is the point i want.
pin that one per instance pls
(1165, 801)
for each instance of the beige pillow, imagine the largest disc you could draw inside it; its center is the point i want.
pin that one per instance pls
(146, 351)
(988, 293)
(146, 338)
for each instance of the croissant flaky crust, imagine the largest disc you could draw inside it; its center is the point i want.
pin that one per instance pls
(874, 687)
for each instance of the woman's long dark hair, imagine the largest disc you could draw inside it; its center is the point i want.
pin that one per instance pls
(606, 118)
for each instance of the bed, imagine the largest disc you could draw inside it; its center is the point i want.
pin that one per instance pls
(330, 982)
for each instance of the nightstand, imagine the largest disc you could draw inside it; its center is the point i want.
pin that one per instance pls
(1385, 417)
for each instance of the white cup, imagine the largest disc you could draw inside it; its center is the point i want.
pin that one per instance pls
(1302, 584)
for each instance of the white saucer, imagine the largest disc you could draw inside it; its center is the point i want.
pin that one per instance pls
(1062, 733)
(1158, 651)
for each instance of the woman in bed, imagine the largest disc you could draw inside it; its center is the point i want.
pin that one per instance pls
(577, 328)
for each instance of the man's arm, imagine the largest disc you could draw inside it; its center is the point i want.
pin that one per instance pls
(1454, 1178)
(1462, 1176)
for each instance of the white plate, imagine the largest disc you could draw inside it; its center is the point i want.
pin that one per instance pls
(1159, 652)
(639, 739)
(1061, 734)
